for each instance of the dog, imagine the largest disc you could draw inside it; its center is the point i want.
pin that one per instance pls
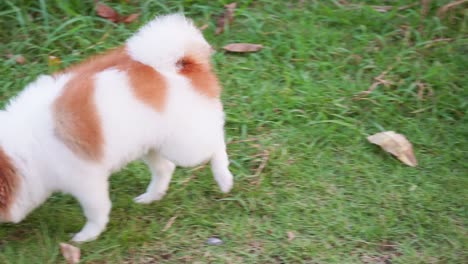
(154, 98)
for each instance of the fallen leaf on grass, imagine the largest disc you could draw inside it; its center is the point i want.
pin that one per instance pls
(20, 59)
(291, 235)
(70, 253)
(242, 47)
(54, 61)
(395, 144)
(110, 14)
(130, 18)
(107, 12)
(226, 18)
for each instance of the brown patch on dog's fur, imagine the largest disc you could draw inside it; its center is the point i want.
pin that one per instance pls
(148, 85)
(77, 122)
(8, 184)
(76, 117)
(201, 75)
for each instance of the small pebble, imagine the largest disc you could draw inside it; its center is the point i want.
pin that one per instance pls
(214, 241)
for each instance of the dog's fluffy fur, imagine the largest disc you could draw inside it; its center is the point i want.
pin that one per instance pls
(154, 98)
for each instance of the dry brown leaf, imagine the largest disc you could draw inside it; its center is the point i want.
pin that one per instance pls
(70, 253)
(291, 235)
(20, 59)
(110, 14)
(226, 18)
(130, 18)
(107, 12)
(242, 47)
(395, 144)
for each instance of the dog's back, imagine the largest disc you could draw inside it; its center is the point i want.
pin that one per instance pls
(156, 90)
(155, 98)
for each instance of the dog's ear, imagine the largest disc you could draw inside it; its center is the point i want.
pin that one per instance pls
(8, 184)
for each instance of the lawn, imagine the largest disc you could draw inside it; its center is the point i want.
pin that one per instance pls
(309, 187)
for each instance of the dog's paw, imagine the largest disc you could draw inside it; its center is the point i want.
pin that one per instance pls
(226, 182)
(82, 237)
(148, 198)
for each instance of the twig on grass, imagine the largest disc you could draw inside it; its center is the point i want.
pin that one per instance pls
(200, 167)
(265, 157)
(193, 176)
(375, 244)
(422, 88)
(169, 223)
(203, 27)
(441, 12)
(242, 140)
(378, 8)
(430, 43)
(425, 6)
(100, 41)
(383, 9)
(377, 81)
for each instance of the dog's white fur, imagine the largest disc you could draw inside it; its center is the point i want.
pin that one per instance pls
(188, 132)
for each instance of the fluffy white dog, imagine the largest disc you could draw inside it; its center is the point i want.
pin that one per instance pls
(156, 98)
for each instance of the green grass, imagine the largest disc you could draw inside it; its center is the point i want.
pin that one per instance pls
(343, 198)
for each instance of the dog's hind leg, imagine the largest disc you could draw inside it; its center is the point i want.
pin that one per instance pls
(161, 174)
(220, 169)
(93, 195)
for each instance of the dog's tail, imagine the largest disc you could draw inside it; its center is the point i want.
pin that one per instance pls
(164, 43)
